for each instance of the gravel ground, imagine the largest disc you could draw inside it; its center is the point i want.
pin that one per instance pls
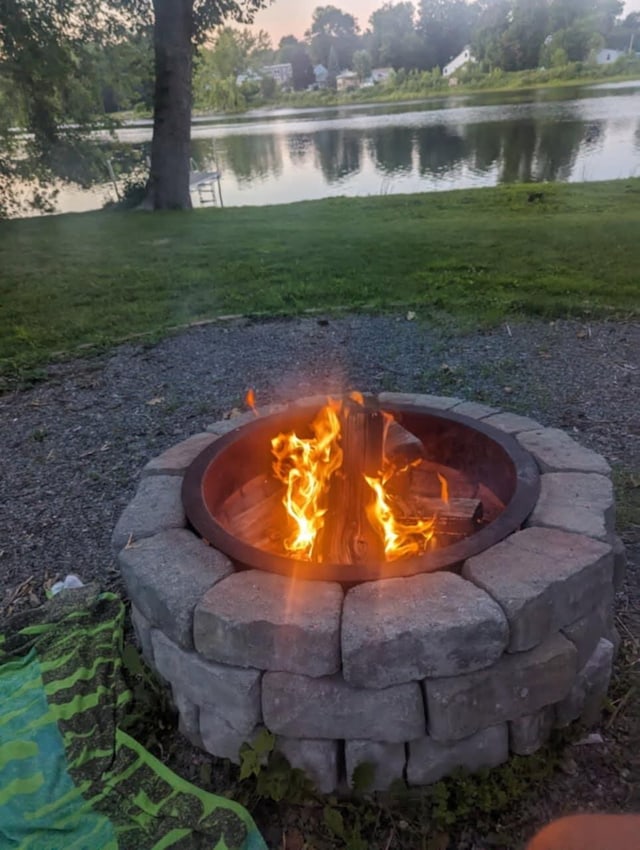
(73, 446)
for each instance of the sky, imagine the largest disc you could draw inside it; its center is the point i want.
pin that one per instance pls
(293, 17)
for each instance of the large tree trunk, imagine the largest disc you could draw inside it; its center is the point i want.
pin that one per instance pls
(168, 187)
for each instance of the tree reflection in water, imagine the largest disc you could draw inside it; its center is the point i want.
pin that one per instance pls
(338, 153)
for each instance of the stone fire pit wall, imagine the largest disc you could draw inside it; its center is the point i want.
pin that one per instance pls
(417, 676)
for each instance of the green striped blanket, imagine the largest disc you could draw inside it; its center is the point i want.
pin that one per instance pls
(70, 777)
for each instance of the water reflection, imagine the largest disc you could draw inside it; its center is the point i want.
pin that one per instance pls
(452, 142)
(338, 153)
(251, 158)
(392, 149)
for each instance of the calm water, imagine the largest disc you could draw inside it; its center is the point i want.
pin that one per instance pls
(455, 142)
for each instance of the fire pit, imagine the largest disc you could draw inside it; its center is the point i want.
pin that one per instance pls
(456, 606)
(463, 486)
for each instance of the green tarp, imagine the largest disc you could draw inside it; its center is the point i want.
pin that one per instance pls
(70, 777)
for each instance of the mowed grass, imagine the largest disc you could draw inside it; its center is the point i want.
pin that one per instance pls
(480, 256)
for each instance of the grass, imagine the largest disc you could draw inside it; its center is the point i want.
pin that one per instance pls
(483, 255)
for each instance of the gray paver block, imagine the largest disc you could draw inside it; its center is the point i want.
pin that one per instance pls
(528, 734)
(401, 630)
(157, 506)
(388, 761)
(225, 426)
(474, 410)
(581, 502)
(430, 761)
(586, 632)
(178, 458)
(556, 451)
(189, 719)
(167, 575)
(142, 628)
(234, 693)
(589, 689)
(220, 738)
(301, 707)
(318, 759)
(619, 564)
(438, 402)
(543, 579)
(518, 685)
(258, 619)
(512, 423)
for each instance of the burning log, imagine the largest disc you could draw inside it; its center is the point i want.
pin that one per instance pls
(347, 535)
(401, 447)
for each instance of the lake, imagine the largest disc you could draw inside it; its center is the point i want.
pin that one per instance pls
(459, 141)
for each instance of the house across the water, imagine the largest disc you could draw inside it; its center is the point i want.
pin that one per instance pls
(458, 62)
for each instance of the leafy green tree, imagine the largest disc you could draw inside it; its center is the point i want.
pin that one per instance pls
(125, 73)
(394, 39)
(50, 82)
(362, 64)
(445, 27)
(50, 88)
(524, 37)
(332, 28)
(179, 27)
(296, 53)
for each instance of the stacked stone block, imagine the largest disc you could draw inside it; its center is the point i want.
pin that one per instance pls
(417, 676)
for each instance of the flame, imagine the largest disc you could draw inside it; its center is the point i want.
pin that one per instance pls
(401, 537)
(250, 400)
(444, 489)
(306, 467)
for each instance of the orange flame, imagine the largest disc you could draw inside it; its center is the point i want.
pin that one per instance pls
(444, 488)
(400, 538)
(250, 400)
(357, 397)
(306, 467)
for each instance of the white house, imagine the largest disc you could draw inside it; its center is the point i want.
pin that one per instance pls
(606, 56)
(460, 60)
(282, 74)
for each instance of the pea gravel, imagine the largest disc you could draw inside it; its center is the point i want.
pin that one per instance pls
(72, 449)
(73, 446)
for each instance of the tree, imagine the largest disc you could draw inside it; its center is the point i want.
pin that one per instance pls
(362, 64)
(333, 67)
(49, 87)
(331, 28)
(296, 53)
(445, 26)
(394, 40)
(179, 27)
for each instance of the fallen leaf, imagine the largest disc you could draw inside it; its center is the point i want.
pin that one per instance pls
(582, 334)
(507, 390)
(411, 316)
(154, 401)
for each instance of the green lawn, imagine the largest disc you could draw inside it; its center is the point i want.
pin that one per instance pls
(479, 256)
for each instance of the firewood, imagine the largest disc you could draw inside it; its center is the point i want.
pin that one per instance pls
(401, 447)
(347, 536)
